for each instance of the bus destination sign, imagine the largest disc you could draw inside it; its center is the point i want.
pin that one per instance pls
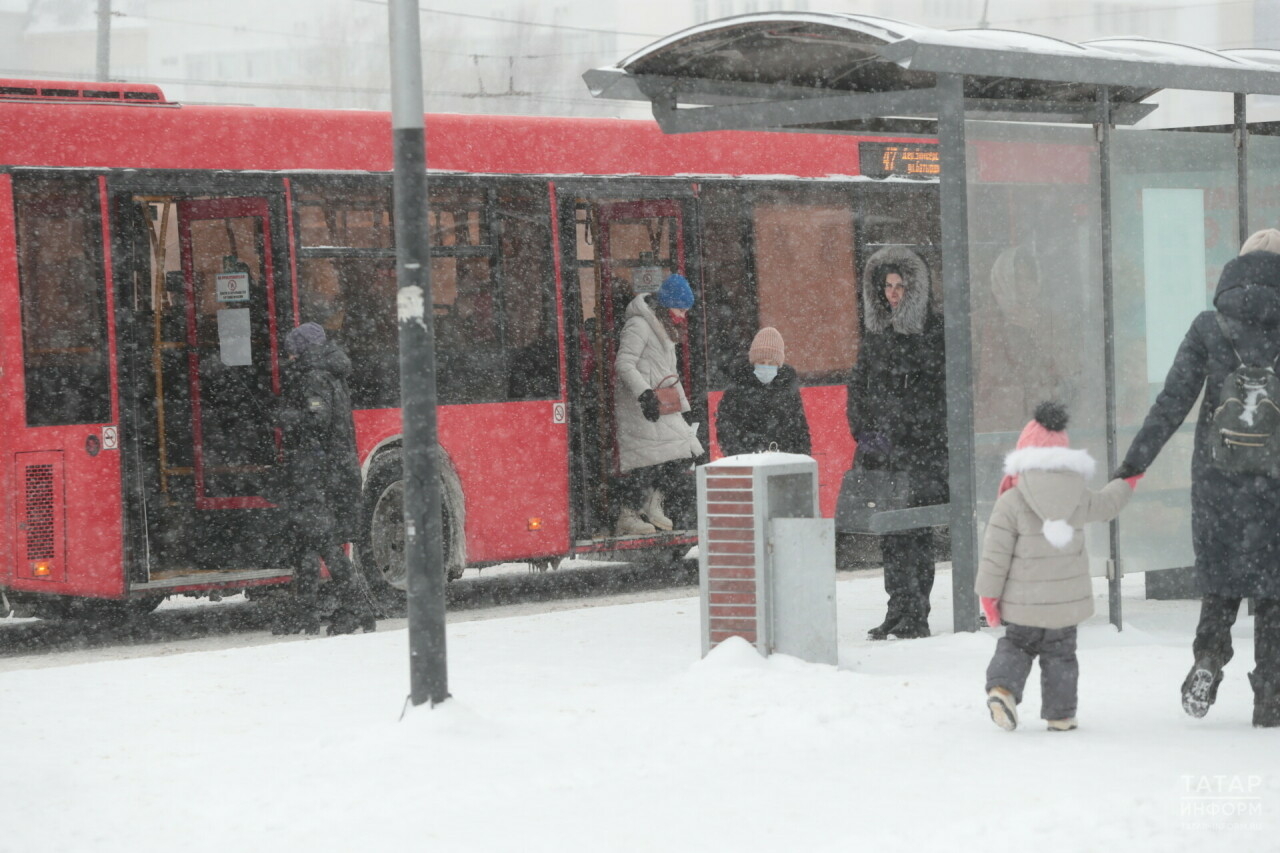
(899, 159)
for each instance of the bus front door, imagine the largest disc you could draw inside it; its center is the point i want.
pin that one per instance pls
(623, 249)
(207, 378)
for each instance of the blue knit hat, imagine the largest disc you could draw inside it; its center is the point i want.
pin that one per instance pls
(303, 338)
(675, 292)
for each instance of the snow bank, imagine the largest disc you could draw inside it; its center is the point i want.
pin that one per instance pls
(600, 730)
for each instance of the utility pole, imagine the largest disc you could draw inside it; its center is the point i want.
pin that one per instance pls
(104, 40)
(428, 664)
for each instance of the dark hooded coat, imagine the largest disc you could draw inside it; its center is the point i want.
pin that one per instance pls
(752, 415)
(897, 401)
(1235, 518)
(322, 468)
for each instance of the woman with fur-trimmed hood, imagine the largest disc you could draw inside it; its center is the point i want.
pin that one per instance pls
(1034, 571)
(897, 414)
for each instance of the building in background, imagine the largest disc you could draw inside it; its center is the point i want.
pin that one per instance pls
(500, 56)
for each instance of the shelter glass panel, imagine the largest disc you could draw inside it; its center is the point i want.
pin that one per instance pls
(1174, 209)
(1035, 255)
(1264, 182)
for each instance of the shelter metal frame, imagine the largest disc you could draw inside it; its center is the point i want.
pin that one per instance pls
(832, 73)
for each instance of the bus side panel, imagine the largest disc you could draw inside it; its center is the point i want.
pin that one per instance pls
(824, 407)
(512, 461)
(89, 543)
(10, 378)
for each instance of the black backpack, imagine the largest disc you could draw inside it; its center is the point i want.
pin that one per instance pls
(1246, 424)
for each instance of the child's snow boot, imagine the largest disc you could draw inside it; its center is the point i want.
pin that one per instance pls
(1200, 689)
(1003, 709)
(1065, 725)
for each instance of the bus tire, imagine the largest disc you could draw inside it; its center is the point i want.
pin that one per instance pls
(381, 551)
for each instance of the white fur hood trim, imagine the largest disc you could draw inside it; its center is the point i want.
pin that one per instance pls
(1050, 459)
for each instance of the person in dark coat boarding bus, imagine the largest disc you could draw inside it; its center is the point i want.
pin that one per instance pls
(323, 485)
(897, 415)
(761, 408)
(1235, 517)
(655, 449)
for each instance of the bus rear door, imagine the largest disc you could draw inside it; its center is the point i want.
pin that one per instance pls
(622, 248)
(206, 378)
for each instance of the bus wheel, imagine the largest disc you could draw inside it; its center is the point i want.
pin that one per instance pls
(382, 553)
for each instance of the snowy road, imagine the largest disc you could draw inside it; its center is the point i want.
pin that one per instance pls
(184, 625)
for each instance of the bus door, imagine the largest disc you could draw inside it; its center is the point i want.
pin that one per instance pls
(206, 380)
(623, 248)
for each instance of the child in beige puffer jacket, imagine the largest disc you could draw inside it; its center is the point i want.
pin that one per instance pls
(1034, 572)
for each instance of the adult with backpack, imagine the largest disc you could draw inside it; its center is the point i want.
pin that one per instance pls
(1231, 354)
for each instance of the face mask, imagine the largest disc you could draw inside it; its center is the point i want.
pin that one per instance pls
(766, 372)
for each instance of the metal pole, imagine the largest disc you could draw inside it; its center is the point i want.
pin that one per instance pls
(1115, 570)
(956, 308)
(1241, 136)
(428, 664)
(104, 40)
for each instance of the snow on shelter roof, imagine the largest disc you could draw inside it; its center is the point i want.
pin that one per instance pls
(877, 67)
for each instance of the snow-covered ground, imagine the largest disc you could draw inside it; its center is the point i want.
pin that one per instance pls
(599, 729)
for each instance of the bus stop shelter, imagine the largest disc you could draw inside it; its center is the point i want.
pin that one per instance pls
(1076, 248)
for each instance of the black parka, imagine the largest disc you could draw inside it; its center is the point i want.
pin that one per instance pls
(1235, 518)
(897, 397)
(323, 470)
(753, 415)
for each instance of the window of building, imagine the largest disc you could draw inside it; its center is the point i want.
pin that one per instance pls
(64, 325)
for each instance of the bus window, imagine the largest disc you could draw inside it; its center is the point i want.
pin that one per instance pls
(491, 283)
(805, 280)
(64, 330)
(799, 276)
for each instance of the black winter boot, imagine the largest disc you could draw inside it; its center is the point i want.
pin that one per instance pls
(911, 628)
(882, 631)
(1266, 703)
(1200, 689)
(346, 620)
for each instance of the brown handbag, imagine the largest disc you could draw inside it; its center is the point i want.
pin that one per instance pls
(668, 396)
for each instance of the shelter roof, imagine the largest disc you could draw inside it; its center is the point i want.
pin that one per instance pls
(860, 68)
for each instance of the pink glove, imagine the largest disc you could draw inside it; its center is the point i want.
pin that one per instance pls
(1133, 481)
(991, 610)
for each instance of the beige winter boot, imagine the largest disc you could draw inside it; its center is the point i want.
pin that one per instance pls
(631, 524)
(1066, 725)
(1003, 709)
(651, 510)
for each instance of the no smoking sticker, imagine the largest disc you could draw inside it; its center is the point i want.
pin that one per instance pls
(557, 413)
(232, 286)
(110, 438)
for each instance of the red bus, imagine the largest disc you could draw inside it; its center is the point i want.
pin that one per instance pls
(153, 254)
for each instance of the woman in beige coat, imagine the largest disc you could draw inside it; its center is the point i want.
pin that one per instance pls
(1034, 572)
